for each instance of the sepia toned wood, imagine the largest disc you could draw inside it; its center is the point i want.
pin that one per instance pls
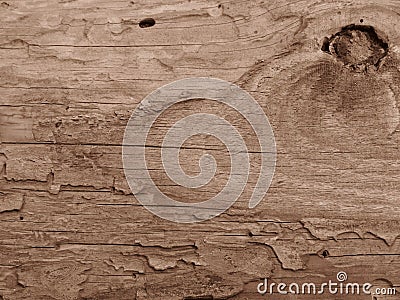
(327, 75)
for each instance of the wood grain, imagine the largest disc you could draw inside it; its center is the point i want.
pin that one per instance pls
(73, 71)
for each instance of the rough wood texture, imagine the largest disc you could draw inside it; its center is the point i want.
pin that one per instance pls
(73, 71)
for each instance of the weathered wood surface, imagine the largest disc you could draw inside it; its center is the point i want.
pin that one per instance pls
(73, 71)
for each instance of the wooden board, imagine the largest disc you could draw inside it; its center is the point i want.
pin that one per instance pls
(327, 75)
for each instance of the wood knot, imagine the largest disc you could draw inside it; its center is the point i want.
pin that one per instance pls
(357, 46)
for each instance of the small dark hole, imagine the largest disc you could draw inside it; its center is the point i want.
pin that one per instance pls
(325, 253)
(362, 21)
(148, 22)
(220, 5)
(21, 218)
(251, 234)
